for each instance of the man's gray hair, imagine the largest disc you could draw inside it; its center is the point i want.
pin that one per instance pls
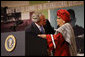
(36, 16)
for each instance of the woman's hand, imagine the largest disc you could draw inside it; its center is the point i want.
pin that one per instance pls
(42, 35)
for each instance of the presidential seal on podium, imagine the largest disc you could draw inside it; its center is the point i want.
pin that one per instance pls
(10, 43)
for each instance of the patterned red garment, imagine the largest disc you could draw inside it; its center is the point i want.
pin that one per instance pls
(62, 48)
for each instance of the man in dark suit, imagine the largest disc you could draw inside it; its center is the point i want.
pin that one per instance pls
(48, 28)
(36, 46)
(78, 31)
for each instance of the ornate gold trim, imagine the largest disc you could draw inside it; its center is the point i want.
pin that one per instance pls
(12, 43)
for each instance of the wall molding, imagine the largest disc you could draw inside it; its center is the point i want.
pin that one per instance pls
(44, 6)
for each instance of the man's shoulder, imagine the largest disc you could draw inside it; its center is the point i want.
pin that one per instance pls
(29, 27)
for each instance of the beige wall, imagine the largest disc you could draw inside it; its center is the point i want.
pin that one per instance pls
(24, 15)
(14, 3)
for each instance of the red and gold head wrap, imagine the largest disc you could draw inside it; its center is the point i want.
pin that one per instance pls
(64, 14)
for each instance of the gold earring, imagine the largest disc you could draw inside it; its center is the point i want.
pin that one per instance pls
(63, 21)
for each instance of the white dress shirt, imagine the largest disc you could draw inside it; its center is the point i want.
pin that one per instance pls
(39, 27)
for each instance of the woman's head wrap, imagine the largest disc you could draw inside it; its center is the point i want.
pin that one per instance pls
(64, 14)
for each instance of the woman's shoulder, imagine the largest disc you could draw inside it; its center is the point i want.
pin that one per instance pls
(67, 24)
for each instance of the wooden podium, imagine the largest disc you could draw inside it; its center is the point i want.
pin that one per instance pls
(19, 47)
(18, 44)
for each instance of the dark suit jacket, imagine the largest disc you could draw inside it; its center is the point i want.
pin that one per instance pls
(35, 46)
(48, 28)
